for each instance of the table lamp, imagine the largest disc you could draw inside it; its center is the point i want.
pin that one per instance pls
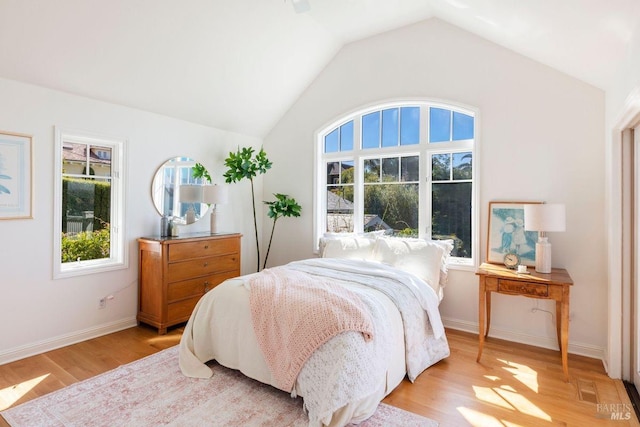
(544, 218)
(214, 195)
(190, 193)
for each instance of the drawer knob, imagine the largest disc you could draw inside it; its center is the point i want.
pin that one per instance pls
(206, 264)
(206, 246)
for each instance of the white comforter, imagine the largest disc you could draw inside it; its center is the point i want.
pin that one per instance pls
(344, 380)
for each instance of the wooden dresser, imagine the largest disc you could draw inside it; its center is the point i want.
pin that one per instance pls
(174, 272)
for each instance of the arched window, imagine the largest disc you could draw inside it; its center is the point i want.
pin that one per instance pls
(406, 168)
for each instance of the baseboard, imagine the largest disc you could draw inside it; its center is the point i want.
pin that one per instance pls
(581, 349)
(18, 353)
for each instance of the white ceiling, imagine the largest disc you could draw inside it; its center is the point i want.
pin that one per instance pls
(238, 65)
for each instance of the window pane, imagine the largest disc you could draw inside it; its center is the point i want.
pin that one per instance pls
(74, 159)
(340, 209)
(409, 125)
(439, 125)
(391, 207)
(440, 167)
(451, 215)
(410, 168)
(346, 172)
(390, 127)
(390, 170)
(86, 215)
(331, 142)
(371, 130)
(462, 126)
(372, 170)
(346, 136)
(462, 166)
(333, 173)
(100, 161)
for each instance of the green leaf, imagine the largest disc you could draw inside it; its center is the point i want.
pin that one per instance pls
(283, 206)
(199, 171)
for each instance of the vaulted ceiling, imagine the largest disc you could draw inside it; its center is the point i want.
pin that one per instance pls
(238, 65)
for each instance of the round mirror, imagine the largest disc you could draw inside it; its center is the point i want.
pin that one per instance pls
(174, 191)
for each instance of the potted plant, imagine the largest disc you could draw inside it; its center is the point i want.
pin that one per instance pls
(282, 206)
(243, 164)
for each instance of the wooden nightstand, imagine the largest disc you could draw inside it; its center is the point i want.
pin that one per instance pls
(174, 272)
(555, 286)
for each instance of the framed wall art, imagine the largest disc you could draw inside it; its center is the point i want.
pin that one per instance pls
(506, 233)
(16, 183)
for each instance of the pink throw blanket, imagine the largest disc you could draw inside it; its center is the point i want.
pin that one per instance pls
(294, 313)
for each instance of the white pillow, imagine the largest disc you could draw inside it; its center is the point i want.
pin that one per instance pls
(447, 245)
(351, 247)
(418, 256)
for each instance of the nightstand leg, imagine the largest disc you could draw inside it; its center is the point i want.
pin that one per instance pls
(488, 297)
(559, 323)
(481, 317)
(564, 332)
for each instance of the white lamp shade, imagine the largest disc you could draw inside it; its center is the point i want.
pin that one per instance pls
(544, 217)
(190, 193)
(214, 194)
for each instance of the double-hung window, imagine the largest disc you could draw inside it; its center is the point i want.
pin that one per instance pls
(89, 204)
(405, 168)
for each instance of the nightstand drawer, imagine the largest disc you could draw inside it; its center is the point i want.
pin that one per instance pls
(181, 311)
(204, 248)
(521, 288)
(196, 287)
(202, 266)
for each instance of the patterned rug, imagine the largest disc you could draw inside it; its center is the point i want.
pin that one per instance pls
(153, 392)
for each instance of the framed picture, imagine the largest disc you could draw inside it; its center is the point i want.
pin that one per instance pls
(506, 233)
(15, 176)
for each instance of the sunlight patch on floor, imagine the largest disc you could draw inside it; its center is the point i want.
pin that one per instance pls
(163, 339)
(521, 403)
(487, 394)
(522, 373)
(10, 395)
(478, 419)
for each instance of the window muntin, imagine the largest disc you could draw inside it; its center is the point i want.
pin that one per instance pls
(410, 172)
(88, 204)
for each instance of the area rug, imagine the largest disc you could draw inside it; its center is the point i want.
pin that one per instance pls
(153, 392)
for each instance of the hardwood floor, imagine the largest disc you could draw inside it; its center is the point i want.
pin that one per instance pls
(514, 385)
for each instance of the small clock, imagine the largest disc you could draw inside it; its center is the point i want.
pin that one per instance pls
(511, 260)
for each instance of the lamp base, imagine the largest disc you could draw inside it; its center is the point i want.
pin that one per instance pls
(543, 255)
(214, 220)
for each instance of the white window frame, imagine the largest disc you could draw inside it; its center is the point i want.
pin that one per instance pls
(423, 149)
(118, 258)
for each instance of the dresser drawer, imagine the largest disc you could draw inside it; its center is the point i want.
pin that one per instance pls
(201, 249)
(521, 288)
(181, 311)
(202, 266)
(194, 287)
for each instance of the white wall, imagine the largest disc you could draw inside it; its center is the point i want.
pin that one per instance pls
(541, 136)
(38, 313)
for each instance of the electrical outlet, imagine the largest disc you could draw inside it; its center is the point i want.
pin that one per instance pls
(102, 303)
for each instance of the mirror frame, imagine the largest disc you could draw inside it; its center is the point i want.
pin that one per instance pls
(165, 188)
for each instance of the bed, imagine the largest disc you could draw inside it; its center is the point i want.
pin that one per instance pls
(395, 286)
